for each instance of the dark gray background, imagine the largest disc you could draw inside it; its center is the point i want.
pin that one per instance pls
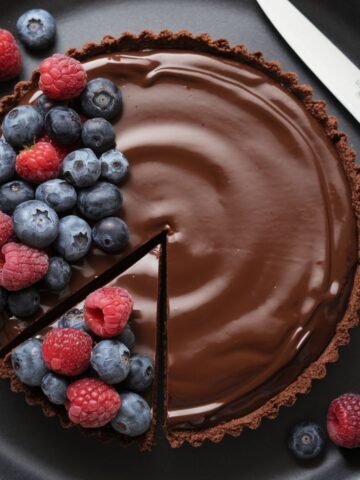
(34, 447)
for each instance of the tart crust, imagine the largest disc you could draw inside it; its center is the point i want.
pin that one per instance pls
(184, 40)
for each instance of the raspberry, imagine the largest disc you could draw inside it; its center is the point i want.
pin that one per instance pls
(107, 310)
(343, 421)
(21, 266)
(38, 163)
(10, 58)
(61, 150)
(62, 77)
(6, 228)
(67, 351)
(92, 403)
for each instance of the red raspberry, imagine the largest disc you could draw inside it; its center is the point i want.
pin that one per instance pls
(61, 150)
(10, 58)
(67, 350)
(21, 266)
(92, 403)
(107, 310)
(38, 163)
(6, 228)
(62, 77)
(343, 421)
(82, 118)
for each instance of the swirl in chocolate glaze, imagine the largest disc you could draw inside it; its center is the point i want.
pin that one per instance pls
(263, 239)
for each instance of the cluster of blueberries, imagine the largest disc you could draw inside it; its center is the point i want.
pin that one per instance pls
(57, 212)
(111, 360)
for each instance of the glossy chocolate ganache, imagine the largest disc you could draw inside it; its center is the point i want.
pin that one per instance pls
(262, 237)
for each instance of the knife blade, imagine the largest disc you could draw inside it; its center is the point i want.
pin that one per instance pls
(325, 60)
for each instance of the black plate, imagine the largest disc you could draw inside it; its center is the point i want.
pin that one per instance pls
(33, 447)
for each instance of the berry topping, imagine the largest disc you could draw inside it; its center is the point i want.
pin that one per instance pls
(21, 266)
(22, 125)
(101, 98)
(61, 77)
(74, 239)
(24, 303)
(63, 125)
(343, 421)
(35, 223)
(127, 337)
(306, 440)
(10, 58)
(81, 168)
(141, 373)
(44, 104)
(74, 318)
(36, 28)
(6, 228)
(114, 166)
(67, 351)
(111, 234)
(107, 311)
(58, 275)
(99, 201)
(92, 403)
(58, 194)
(98, 134)
(13, 193)
(111, 360)
(134, 416)
(54, 387)
(38, 163)
(7, 161)
(27, 362)
(61, 150)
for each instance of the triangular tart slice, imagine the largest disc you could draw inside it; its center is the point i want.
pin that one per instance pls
(141, 281)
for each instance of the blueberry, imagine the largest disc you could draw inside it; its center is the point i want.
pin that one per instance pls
(98, 134)
(111, 360)
(36, 28)
(13, 194)
(74, 239)
(99, 201)
(101, 98)
(7, 161)
(111, 234)
(27, 362)
(58, 275)
(24, 303)
(306, 440)
(3, 298)
(74, 318)
(58, 194)
(22, 125)
(63, 125)
(54, 387)
(134, 417)
(141, 373)
(127, 337)
(114, 166)
(35, 223)
(44, 104)
(81, 168)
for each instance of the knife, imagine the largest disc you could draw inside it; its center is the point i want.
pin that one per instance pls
(325, 60)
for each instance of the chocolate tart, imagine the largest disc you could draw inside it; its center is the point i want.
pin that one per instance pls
(256, 192)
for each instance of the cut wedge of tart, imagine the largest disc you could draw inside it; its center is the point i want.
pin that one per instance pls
(141, 281)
